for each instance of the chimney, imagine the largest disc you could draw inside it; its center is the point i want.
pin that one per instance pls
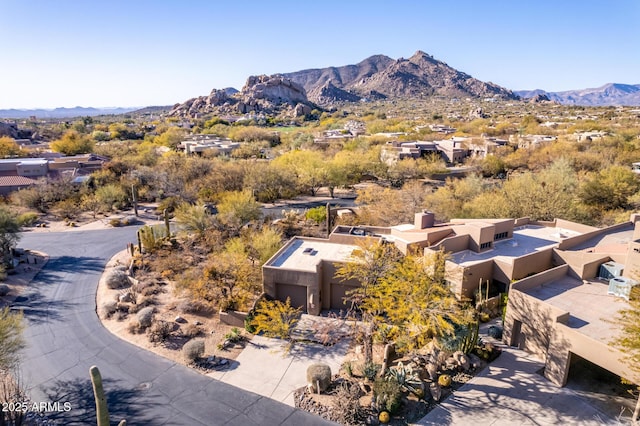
(424, 219)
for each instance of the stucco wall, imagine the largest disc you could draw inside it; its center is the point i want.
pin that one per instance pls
(472, 276)
(531, 264)
(537, 321)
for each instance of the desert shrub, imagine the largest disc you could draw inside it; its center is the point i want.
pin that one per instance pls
(275, 318)
(117, 279)
(134, 327)
(387, 394)
(346, 404)
(27, 219)
(121, 316)
(115, 222)
(169, 203)
(318, 377)
(4, 290)
(317, 214)
(232, 337)
(128, 220)
(194, 307)
(150, 289)
(122, 307)
(145, 316)
(370, 370)
(193, 349)
(191, 330)
(109, 308)
(147, 301)
(134, 309)
(167, 260)
(408, 380)
(159, 331)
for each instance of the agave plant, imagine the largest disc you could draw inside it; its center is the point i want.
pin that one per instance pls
(408, 380)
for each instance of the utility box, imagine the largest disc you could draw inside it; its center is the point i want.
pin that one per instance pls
(610, 270)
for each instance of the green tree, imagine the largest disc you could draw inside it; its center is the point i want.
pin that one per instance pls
(9, 147)
(111, 196)
(270, 182)
(308, 166)
(415, 298)
(263, 244)
(11, 341)
(171, 137)
(237, 208)
(492, 166)
(194, 219)
(275, 318)
(9, 233)
(73, 143)
(231, 279)
(610, 188)
(369, 266)
(91, 203)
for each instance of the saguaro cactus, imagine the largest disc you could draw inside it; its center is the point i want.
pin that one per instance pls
(102, 411)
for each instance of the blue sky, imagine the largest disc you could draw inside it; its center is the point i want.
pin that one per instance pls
(138, 52)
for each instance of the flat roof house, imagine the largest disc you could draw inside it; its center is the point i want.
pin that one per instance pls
(565, 313)
(494, 250)
(566, 281)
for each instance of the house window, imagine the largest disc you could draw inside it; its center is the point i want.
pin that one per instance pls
(501, 235)
(485, 245)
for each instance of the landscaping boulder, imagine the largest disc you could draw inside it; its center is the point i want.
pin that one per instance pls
(318, 377)
(4, 290)
(462, 360)
(145, 316)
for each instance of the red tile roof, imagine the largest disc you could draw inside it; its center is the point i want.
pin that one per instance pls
(16, 181)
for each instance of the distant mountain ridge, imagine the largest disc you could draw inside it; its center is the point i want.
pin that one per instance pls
(62, 112)
(377, 77)
(382, 77)
(615, 94)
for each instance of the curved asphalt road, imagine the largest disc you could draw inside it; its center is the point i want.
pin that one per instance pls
(65, 337)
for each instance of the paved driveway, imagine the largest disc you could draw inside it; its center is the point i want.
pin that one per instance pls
(65, 337)
(510, 392)
(265, 368)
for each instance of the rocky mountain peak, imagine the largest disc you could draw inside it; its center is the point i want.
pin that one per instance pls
(262, 93)
(419, 76)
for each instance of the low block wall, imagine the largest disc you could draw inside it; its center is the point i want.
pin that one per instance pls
(233, 318)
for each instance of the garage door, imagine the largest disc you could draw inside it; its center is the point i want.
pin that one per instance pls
(338, 293)
(297, 294)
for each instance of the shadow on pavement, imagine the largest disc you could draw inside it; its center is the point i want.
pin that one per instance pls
(66, 264)
(123, 403)
(38, 309)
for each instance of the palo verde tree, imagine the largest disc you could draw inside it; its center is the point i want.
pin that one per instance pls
(11, 387)
(73, 143)
(415, 298)
(9, 228)
(11, 341)
(229, 278)
(369, 266)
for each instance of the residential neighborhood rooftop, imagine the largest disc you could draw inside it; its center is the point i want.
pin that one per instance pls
(304, 254)
(591, 308)
(526, 239)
